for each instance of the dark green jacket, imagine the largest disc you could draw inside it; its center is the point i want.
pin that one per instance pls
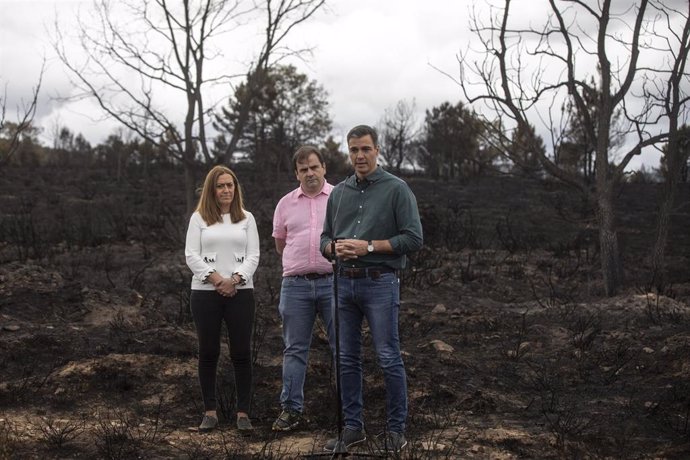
(380, 207)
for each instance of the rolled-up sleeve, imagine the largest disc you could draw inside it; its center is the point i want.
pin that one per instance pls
(279, 230)
(410, 236)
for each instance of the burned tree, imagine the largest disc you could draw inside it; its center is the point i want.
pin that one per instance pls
(11, 133)
(399, 131)
(140, 55)
(669, 93)
(576, 42)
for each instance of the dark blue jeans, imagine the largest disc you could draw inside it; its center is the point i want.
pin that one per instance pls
(300, 301)
(379, 302)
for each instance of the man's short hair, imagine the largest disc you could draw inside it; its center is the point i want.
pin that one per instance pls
(364, 130)
(303, 153)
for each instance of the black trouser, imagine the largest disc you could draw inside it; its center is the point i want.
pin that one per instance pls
(209, 310)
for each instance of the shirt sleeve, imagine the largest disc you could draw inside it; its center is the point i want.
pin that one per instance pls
(409, 237)
(192, 250)
(279, 231)
(251, 260)
(327, 231)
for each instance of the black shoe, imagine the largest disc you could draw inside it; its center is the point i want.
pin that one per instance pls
(350, 437)
(287, 420)
(208, 423)
(394, 442)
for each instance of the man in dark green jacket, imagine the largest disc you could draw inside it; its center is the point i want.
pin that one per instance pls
(373, 218)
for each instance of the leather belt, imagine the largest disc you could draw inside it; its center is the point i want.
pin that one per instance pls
(314, 276)
(369, 272)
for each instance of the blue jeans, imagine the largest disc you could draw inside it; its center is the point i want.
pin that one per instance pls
(300, 301)
(379, 302)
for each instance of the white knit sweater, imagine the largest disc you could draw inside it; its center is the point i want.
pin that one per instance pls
(224, 247)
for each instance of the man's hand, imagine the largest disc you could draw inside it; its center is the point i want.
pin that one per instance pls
(351, 249)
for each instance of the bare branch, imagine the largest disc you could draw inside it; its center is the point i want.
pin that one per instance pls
(25, 117)
(626, 105)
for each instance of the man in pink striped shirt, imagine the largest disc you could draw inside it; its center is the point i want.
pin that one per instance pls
(306, 288)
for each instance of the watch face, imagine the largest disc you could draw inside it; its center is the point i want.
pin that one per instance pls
(370, 247)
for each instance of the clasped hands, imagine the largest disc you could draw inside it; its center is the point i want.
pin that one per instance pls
(350, 249)
(227, 287)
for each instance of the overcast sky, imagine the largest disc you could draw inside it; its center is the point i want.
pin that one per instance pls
(368, 55)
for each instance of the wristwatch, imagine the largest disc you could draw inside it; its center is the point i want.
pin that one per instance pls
(370, 246)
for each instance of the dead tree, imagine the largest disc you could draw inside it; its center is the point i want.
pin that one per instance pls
(140, 54)
(280, 17)
(25, 118)
(576, 42)
(399, 129)
(668, 93)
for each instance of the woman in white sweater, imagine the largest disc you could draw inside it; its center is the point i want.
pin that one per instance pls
(222, 250)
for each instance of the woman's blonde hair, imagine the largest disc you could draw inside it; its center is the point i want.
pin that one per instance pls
(208, 206)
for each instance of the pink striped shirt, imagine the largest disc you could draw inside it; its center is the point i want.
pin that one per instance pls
(298, 219)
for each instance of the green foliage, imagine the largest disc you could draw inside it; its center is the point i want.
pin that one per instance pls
(336, 161)
(19, 144)
(452, 146)
(70, 150)
(287, 110)
(526, 150)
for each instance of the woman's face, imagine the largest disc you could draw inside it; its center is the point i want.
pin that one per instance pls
(225, 191)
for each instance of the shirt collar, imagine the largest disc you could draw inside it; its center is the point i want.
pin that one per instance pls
(374, 176)
(325, 190)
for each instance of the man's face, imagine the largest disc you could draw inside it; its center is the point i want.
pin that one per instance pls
(310, 174)
(363, 154)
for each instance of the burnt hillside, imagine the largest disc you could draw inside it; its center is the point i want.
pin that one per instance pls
(510, 349)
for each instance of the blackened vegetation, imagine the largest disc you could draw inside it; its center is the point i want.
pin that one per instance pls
(512, 350)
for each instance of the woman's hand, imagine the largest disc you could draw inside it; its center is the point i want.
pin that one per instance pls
(226, 287)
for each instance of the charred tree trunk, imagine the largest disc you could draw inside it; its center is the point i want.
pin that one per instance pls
(611, 267)
(676, 158)
(676, 154)
(658, 280)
